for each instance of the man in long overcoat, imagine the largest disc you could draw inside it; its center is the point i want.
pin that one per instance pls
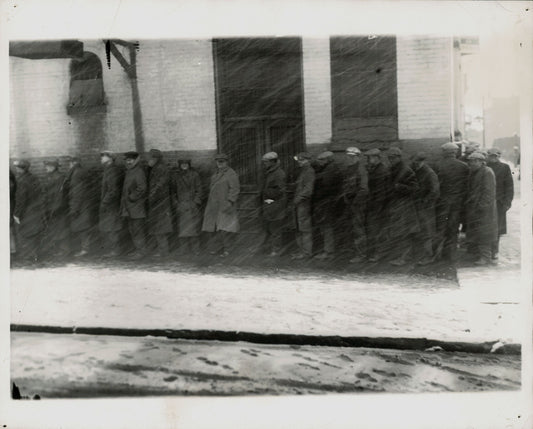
(425, 200)
(402, 217)
(29, 212)
(159, 219)
(273, 203)
(328, 186)
(481, 212)
(80, 205)
(504, 193)
(189, 197)
(110, 223)
(376, 215)
(354, 194)
(133, 203)
(220, 216)
(56, 234)
(303, 193)
(12, 194)
(453, 177)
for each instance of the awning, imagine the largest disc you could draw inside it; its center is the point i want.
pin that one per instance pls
(40, 50)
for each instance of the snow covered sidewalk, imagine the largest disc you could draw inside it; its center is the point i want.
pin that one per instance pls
(282, 303)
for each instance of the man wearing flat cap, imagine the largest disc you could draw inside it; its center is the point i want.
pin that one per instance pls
(274, 202)
(402, 218)
(354, 194)
(189, 196)
(56, 234)
(504, 193)
(376, 215)
(159, 220)
(29, 212)
(82, 218)
(481, 212)
(326, 195)
(220, 216)
(303, 193)
(425, 201)
(453, 177)
(133, 203)
(110, 222)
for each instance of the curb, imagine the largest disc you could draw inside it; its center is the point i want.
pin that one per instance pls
(420, 344)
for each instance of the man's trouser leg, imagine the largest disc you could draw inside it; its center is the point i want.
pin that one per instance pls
(495, 248)
(304, 240)
(275, 229)
(85, 239)
(113, 238)
(162, 244)
(28, 248)
(227, 240)
(137, 233)
(328, 234)
(485, 251)
(452, 231)
(359, 233)
(194, 244)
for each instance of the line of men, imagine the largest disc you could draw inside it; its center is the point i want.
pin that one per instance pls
(390, 210)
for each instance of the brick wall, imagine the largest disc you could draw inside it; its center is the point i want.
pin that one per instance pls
(424, 87)
(317, 90)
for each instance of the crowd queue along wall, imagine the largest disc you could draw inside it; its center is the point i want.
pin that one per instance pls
(242, 96)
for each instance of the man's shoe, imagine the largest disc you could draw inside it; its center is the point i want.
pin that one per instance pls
(482, 262)
(81, 253)
(398, 262)
(374, 259)
(273, 254)
(357, 260)
(425, 261)
(494, 257)
(136, 256)
(224, 254)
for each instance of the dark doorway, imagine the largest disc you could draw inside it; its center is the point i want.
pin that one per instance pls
(363, 89)
(259, 109)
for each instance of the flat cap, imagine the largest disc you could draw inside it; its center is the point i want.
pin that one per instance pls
(108, 153)
(303, 155)
(325, 155)
(51, 162)
(394, 151)
(155, 153)
(494, 151)
(131, 155)
(420, 156)
(477, 155)
(352, 151)
(270, 156)
(373, 152)
(22, 163)
(184, 161)
(449, 147)
(221, 156)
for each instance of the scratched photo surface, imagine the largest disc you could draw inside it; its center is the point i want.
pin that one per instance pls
(264, 216)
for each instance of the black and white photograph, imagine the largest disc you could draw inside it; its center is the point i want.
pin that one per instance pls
(242, 215)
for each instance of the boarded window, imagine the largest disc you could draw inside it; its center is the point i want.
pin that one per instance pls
(86, 85)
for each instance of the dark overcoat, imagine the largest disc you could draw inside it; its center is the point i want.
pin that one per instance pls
(355, 188)
(378, 192)
(56, 204)
(112, 182)
(326, 195)
(80, 199)
(273, 187)
(189, 198)
(159, 219)
(481, 214)
(134, 193)
(426, 199)
(453, 177)
(29, 205)
(401, 210)
(221, 209)
(504, 192)
(303, 193)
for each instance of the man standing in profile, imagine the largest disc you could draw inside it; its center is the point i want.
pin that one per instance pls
(274, 202)
(110, 222)
(425, 200)
(378, 188)
(481, 214)
(355, 192)
(453, 177)
(56, 236)
(133, 203)
(80, 206)
(159, 207)
(504, 194)
(302, 206)
(29, 212)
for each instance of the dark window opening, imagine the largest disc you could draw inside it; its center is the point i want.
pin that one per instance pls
(86, 85)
